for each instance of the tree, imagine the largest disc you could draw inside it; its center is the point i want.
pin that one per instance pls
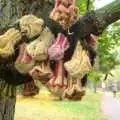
(107, 50)
(95, 77)
(91, 22)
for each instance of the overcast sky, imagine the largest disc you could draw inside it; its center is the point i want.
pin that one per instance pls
(101, 3)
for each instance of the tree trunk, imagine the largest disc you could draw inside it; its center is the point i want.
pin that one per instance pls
(106, 76)
(12, 10)
(7, 108)
(95, 87)
(7, 101)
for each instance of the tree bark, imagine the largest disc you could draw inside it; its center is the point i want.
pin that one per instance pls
(106, 76)
(7, 108)
(96, 21)
(12, 10)
(7, 101)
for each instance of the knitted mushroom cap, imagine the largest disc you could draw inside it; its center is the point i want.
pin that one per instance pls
(79, 65)
(65, 13)
(8, 41)
(31, 25)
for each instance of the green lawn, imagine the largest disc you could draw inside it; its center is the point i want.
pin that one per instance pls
(118, 95)
(42, 107)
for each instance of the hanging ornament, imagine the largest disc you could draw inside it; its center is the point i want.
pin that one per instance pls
(24, 63)
(64, 12)
(30, 89)
(60, 45)
(77, 67)
(80, 64)
(38, 49)
(8, 41)
(74, 91)
(31, 26)
(42, 72)
(58, 83)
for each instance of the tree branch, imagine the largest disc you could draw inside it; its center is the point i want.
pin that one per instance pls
(92, 22)
(109, 14)
(96, 21)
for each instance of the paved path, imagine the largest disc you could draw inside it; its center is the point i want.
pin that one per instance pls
(111, 107)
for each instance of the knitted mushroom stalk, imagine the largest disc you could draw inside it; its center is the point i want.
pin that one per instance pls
(77, 67)
(58, 83)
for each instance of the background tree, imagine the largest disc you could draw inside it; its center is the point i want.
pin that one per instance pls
(95, 78)
(107, 48)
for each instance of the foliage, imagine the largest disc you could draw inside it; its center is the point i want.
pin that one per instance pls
(94, 76)
(82, 4)
(108, 41)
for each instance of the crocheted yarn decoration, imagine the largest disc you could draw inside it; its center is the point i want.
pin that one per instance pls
(30, 89)
(24, 63)
(31, 25)
(8, 41)
(38, 49)
(64, 12)
(57, 49)
(74, 91)
(79, 64)
(41, 71)
(58, 83)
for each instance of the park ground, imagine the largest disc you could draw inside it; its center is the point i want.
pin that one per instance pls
(42, 107)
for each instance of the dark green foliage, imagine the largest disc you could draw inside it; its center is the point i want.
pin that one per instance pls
(108, 41)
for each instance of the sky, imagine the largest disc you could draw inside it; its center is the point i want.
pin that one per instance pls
(101, 3)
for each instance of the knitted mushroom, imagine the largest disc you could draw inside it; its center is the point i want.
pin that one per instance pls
(65, 13)
(31, 25)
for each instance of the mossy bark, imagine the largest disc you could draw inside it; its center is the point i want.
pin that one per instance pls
(12, 10)
(7, 101)
(7, 108)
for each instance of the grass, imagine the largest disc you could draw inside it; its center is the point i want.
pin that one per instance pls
(118, 95)
(42, 107)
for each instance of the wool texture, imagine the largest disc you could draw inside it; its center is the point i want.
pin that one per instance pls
(41, 71)
(80, 64)
(38, 49)
(59, 46)
(64, 12)
(8, 41)
(31, 25)
(74, 91)
(24, 62)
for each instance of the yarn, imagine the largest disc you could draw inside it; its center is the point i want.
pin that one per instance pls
(65, 13)
(30, 89)
(8, 42)
(79, 65)
(38, 49)
(57, 49)
(41, 71)
(31, 25)
(58, 83)
(74, 90)
(24, 63)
